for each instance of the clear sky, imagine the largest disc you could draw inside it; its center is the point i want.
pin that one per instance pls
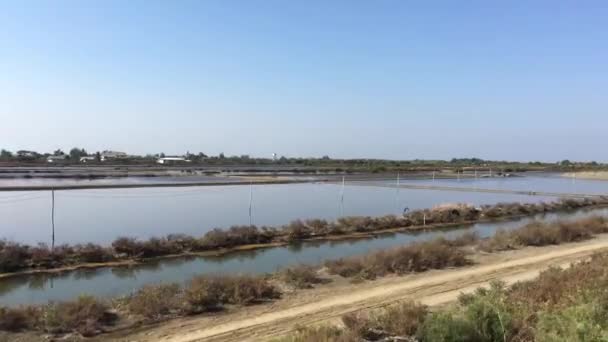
(518, 80)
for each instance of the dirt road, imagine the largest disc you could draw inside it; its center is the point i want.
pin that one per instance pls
(328, 302)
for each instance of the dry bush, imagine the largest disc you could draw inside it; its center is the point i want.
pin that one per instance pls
(211, 292)
(158, 247)
(156, 301)
(417, 257)
(297, 231)
(300, 276)
(319, 334)
(318, 227)
(502, 240)
(466, 239)
(85, 315)
(13, 256)
(402, 319)
(13, 320)
(127, 246)
(92, 253)
(235, 236)
(556, 286)
(345, 267)
(182, 242)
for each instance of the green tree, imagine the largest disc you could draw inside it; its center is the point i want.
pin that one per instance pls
(76, 153)
(4, 154)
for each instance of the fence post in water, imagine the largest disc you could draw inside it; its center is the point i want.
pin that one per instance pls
(52, 220)
(397, 191)
(342, 198)
(250, 204)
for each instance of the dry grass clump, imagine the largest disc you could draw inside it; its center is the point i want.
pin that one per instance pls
(417, 257)
(403, 320)
(236, 236)
(322, 333)
(545, 233)
(13, 256)
(206, 293)
(85, 315)
(13, 320)
(300, 276)
(156, 301)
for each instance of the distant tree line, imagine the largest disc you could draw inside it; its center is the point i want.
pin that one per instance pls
(323, 163)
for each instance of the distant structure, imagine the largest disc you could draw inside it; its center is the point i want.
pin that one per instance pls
(109, 155)
(172, 160)
(26, 154)
(274, 157)
(87, 159)
(55, 159)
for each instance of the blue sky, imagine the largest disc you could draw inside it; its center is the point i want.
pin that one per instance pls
(518, 80)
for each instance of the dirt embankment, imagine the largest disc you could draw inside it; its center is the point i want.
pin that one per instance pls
(328, 302)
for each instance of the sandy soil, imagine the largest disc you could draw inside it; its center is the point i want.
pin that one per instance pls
(327, 303)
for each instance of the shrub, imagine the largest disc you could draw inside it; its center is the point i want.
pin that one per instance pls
(127, 246)
(301, 276)
(157, 247)
(155, 301)
(417, 257)
(13, 320)
(403, 319)
(211, 292)
(446, 326)
(319, 334)
(92, 253)
(13, 256)
(85, 315)
(297, 230)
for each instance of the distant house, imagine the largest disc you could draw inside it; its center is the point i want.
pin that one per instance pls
(26, 154)
(172, 160)
(55, 159)
(108, 155)
(87, 159)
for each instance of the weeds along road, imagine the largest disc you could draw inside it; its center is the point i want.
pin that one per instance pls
(327, 303)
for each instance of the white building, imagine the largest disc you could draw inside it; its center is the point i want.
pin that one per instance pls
(106, 155)
(54, 159)
(87, 159)
(172, 160)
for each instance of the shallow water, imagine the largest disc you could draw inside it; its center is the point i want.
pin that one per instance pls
(110, 282)
(101, 216)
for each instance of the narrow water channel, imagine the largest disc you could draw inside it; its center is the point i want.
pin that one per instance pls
(109, 282)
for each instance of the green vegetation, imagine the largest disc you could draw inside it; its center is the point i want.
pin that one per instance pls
(15, 257)
(560, 305)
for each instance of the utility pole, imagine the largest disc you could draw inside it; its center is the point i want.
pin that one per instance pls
(53, 220)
